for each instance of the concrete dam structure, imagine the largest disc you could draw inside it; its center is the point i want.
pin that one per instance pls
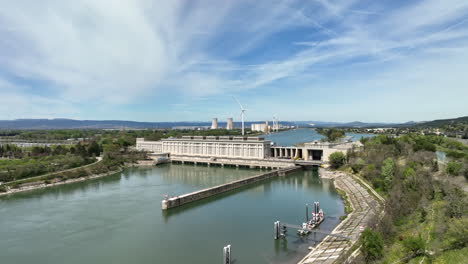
(209, 192)
(242, 148)
(252, 152)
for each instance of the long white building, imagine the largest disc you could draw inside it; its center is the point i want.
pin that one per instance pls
(210, 146)
(242, 147)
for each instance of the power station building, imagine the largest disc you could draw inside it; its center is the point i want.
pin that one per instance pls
(210, 146)
(262, 127)
(242, 147)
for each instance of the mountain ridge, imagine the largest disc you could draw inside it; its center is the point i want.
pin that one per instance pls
(66, 123)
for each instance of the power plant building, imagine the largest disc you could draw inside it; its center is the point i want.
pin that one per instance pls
(210, 146)
(263, 127)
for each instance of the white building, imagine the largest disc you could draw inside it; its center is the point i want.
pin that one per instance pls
(210, 146)
(242, 147)
(263, 127)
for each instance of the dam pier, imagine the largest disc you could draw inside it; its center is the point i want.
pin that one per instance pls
(209, 192)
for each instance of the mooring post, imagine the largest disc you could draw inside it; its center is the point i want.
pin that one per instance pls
(307, 213)
(276, 229)
(227, 254)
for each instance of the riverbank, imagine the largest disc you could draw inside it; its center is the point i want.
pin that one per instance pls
(364, 209)
(44, 185)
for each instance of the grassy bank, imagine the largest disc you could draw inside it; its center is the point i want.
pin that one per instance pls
(348, 208)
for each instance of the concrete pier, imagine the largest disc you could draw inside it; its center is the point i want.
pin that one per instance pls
(205, 193)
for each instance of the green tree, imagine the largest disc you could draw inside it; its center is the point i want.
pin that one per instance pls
(372, 245)
(94, 149)
(337, 159)
(331, 134)
(388, 171)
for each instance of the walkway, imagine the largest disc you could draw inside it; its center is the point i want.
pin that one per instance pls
(365, 207)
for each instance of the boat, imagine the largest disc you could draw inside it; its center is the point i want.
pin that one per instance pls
(317, 218)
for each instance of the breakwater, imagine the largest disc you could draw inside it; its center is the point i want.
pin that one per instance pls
(208, 192)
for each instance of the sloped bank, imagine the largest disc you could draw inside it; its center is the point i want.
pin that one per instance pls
(57, 178)
(365, 208)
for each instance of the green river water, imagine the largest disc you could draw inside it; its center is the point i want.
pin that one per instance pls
(118, 218)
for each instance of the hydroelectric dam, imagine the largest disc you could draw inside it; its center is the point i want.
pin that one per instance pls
(251, 152)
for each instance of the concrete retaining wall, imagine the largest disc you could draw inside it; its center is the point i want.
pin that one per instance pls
(253, 163)
(198, 195)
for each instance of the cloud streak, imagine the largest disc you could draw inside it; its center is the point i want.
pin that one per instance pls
(119, 53)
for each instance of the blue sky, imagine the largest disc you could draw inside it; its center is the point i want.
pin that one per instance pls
(155, 60)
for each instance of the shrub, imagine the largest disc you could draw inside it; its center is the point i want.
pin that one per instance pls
(457, 233)
(453, 168)
(455, 154)
(337, 159)
(3, 188)
(414, 244)
(358, 165)
(372, 245)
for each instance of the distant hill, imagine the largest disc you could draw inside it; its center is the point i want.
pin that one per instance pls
(106, 124)
(82, 124)
(445, 122)
(61, 123)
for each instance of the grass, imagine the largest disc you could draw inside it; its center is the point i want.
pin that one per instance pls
(347, 204)
(452, 256)
(47, 176)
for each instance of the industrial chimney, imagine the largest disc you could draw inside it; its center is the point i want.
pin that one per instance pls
(230, 125)
(214, 123)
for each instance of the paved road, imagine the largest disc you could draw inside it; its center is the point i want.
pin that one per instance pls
(365, 207)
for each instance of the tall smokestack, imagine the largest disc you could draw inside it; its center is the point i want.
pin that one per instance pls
(229, 125)
(214, 123)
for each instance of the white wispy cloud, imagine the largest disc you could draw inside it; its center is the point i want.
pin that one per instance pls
(118, 52)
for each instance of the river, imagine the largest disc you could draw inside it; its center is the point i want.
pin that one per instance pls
(301, 135)
(118, 219)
